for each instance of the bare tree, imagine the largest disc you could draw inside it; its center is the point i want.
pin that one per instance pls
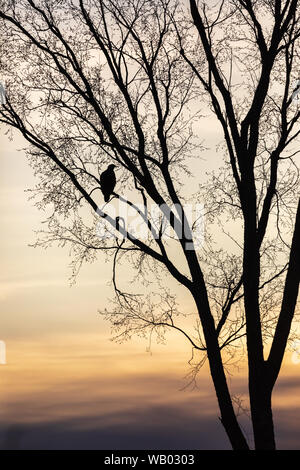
(114, 81)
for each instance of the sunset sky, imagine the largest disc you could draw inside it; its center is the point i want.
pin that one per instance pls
(65, 384)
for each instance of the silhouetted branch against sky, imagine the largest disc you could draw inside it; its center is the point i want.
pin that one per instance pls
(139, 84)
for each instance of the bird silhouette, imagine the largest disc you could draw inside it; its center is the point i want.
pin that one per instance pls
(108, 182)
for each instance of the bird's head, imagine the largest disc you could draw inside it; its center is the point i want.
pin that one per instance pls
(111, 167)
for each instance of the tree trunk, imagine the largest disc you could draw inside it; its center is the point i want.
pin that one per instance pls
(262, 419)
(199, 292)
(259, 390)
(228, 417)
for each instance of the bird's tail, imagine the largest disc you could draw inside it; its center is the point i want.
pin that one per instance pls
(106, 197)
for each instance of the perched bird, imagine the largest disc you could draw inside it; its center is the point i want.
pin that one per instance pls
(108, 182)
